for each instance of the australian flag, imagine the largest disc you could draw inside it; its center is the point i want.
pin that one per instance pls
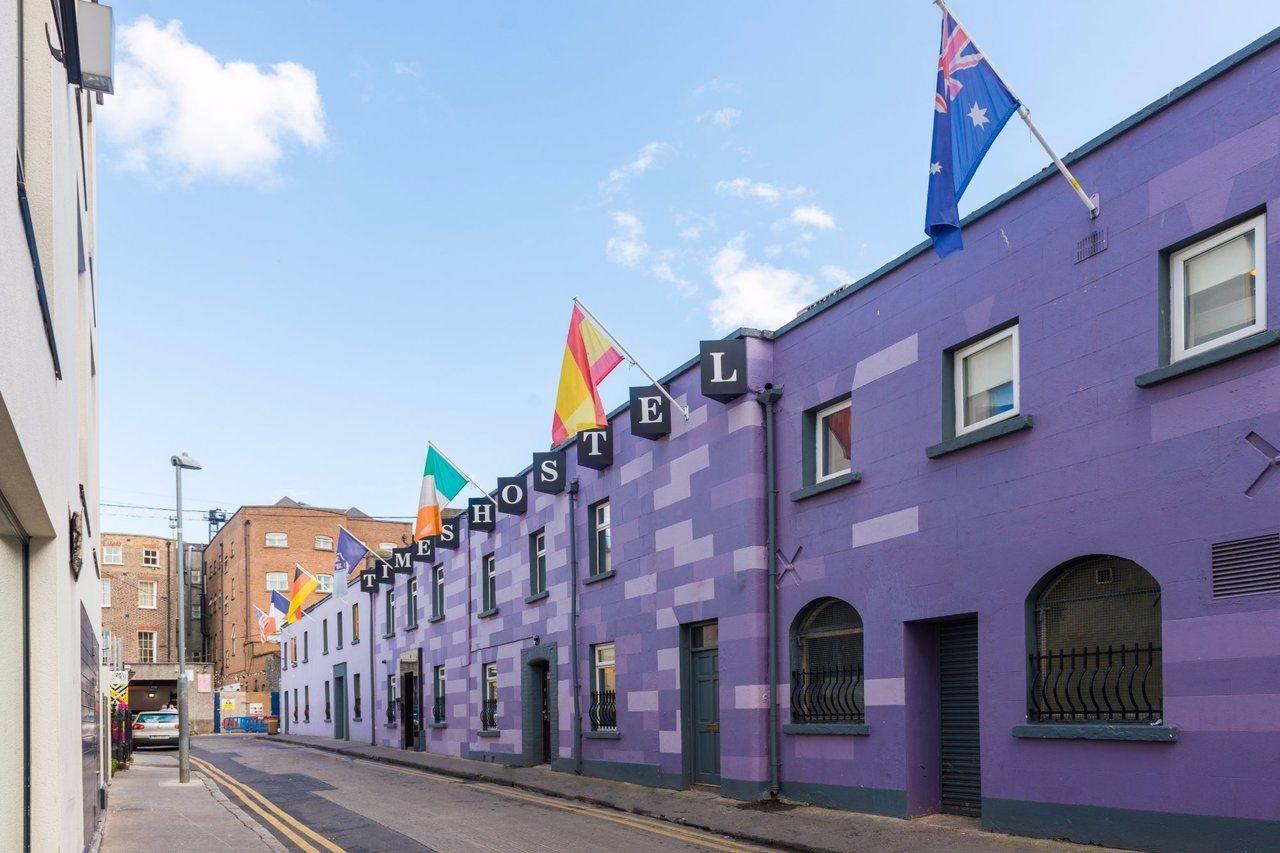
(971, 106)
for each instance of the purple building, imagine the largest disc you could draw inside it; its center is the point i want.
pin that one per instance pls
(1024, 561)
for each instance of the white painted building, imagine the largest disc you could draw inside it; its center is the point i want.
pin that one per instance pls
(52, 742)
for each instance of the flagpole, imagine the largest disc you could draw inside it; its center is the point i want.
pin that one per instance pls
(362, 543)
(631, 358)
(458, 468)
(1025, 114)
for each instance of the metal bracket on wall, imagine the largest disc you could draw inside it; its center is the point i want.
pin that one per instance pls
(788, 564)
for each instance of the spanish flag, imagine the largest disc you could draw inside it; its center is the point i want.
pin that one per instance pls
(304, 583)
(441, 482)
(588, 358)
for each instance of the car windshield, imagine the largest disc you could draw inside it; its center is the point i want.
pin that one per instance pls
(157, 718)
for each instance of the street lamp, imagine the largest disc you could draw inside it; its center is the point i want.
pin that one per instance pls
(180, 462)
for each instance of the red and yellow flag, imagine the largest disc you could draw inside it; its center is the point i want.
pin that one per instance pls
(588, 358)
(304, 583)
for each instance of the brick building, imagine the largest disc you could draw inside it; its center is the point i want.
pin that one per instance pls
(139, 598)
(254, 553)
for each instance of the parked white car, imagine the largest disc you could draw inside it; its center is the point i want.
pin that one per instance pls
(155, 728)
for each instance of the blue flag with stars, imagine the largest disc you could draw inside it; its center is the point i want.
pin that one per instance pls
(971, 106)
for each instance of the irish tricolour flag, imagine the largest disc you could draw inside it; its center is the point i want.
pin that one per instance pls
(441, 481)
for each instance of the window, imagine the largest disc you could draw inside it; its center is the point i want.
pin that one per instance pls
(106, 592)
(338, 616)
(601, 540)
(355, 689)
(295, 704)
(1097, 644)
(278, 581)
(324, 543)
(437, 591)
(986, 381)
(488, 585)
(538, 562)
(150, 557)
(328, 713)
(306, 647)
(604, 690)
(391, 700)
(277, 540)
(355, 623)
(324, 637)
(112, 555)
(306, 703)
(106, 647)
(1217, 289)
(489, 699)
(196, 610)
(411, 603)
(390, 617)
(833, 435)
(147, 595)
(194, 575)
(438, 695)
(326, 583)
(293, 651)
(826, 664)
(146, 647)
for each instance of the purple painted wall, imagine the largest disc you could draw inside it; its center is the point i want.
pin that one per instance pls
(319, 668)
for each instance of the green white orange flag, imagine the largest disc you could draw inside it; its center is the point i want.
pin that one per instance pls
(304, 583)
(589, 355)
(441, 482)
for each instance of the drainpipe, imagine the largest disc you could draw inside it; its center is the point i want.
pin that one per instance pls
(768, 399)
(26, 679)
(248, 596)
(573, 626)
(373, 678)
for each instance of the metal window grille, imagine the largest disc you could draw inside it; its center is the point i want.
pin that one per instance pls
(831, 694)
(437, 709)
(489, 714)
(1097, 655)
(1246, 566)
(827, 683)
(604, 710)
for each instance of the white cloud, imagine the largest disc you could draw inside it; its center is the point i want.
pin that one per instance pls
(408, 69)
(627, 246)
(661, 268)
(754, 294)
(808, 216)
(644, 160)
(181, 112)
(835, 274)
(747, 188)
(692, 232)
(726, 117)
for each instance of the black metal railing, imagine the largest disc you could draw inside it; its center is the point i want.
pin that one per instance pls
(437, 709)
(1121, 683)
(604, 710)
(489, 714)
(827, 694)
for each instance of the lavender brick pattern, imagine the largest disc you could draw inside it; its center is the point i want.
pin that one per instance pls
(1154, 475)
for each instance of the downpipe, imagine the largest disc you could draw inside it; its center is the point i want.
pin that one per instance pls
(573, 625)
(768, 400)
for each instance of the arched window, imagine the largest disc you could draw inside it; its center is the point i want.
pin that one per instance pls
(1097, 644)
(826, 664)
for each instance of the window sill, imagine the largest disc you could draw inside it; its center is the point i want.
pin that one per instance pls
(826, 485)
(392, 726)
(1017, 423)
(603, 576)
(488, 733)
(386, 636)
(485, 614)
(1097, 731)
(826, 729)
(602, 735)
(534, 599)
(1218, 355)
(438, 725)
(411, 626)
(355, 642)
(435, 619)
(357, 719)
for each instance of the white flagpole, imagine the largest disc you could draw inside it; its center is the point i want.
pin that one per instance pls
(1025, 114)
(458, 468)
(631, 358)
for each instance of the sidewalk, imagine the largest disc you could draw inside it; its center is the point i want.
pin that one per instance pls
(148, 809)
(778, 825)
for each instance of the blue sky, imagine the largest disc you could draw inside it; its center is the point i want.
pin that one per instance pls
(326, 236)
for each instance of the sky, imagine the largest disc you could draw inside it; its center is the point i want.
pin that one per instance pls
(326, 236)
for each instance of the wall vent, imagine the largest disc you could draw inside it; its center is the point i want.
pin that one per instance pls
(1246, 566)
(1093, 244)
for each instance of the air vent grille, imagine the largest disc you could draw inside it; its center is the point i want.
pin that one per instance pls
(1093, 244)
(1246, 566)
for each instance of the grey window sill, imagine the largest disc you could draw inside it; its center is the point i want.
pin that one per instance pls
(603, 576)
(1097, 731)
(411, 626)
(826, 729)
(434, 619)
(1218, 355)
(357, 719)
(439, 725)
(485, 614)
(1017, 423)
(388, 635)
(602, 735)
(356, 641)
(392, 726)
(826, 486)
(488, 733)
(534, 599)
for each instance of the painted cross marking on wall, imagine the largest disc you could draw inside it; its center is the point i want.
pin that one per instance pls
(1268, 450)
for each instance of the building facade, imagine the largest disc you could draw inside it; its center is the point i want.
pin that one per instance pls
(254, 553)
(139, 599)
(1024, 561)
(50, 782)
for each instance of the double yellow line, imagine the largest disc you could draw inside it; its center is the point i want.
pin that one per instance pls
(286, 824)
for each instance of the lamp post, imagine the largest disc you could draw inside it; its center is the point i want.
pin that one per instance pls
(184, 742)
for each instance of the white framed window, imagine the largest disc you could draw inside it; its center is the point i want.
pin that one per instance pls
(986, 381)
(196, 610)
(150, 557)
(278, 581)
(106, 647)
(604, 689)
(112, 555)
(538, 562)
(106, 592)
(194, 574)
(833, 435)
(146, 647)
(488, 583)
(147, 595)
(324, 543)
(326, 583)
(603, 668)
(601, 539)
(277, 540)
(1218, 289)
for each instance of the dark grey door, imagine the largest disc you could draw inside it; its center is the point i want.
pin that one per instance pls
(340, 708)
(961, 757)
(704, 658)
